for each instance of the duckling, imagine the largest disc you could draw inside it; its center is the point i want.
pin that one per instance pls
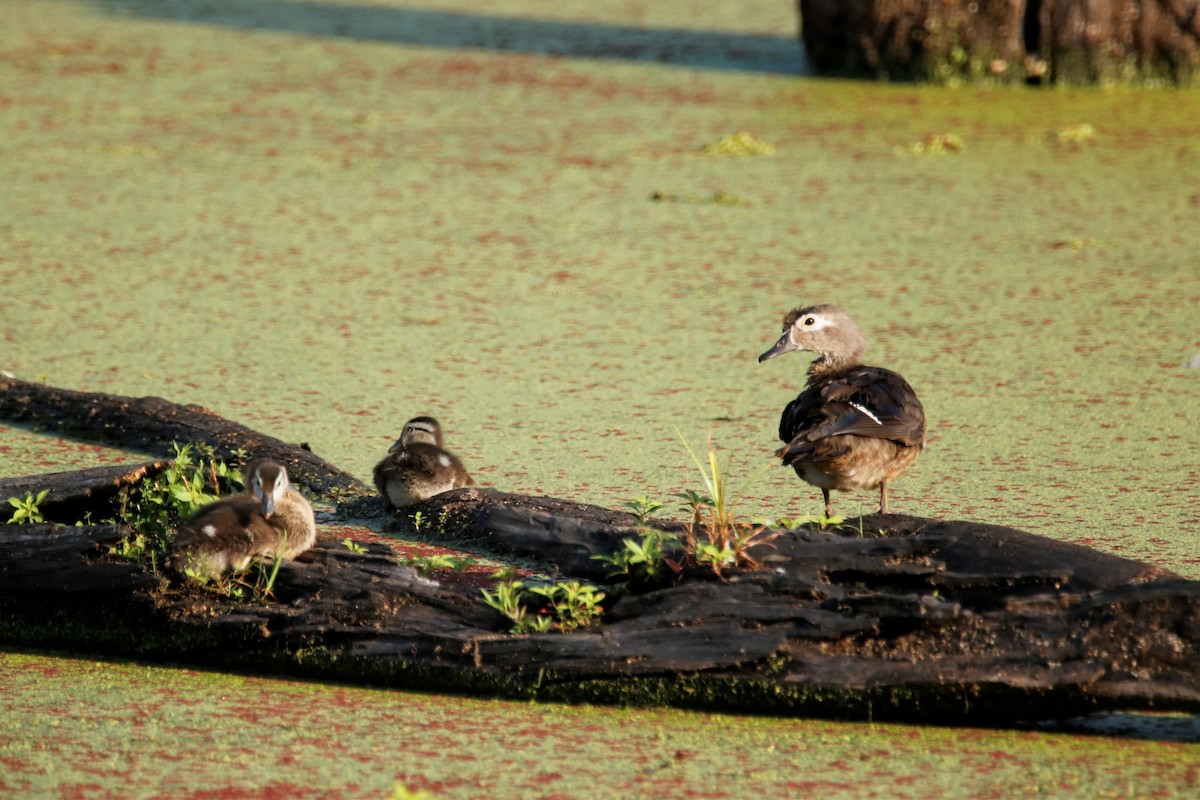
(853, 426)
(269, 518)
(417, 467)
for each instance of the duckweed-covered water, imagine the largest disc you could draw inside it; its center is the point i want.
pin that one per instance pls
(322, 219)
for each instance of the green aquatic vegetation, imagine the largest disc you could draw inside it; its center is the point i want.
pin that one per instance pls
(1075, 134)
(27, 508)
(742, 143)
(938, 144)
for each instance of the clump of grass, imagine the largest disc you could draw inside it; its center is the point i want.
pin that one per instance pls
(713, 535)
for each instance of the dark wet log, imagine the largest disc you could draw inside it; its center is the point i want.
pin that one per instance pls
(898, 617)
(910, 625)
(151, 424)
(1061, 41)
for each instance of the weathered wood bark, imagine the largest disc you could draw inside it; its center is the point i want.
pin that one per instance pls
(1062, 41)
(151, 424)
(905, 618)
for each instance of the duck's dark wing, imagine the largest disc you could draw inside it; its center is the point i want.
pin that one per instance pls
(422, 461)
(233, 526)
(865, 401)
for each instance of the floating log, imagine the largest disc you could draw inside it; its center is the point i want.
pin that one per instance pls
(1055, 41)
(152, 424)
(894, 618)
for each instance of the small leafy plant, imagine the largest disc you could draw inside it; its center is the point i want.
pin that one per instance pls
(574, 604)
(426, 565)
(27, 509)
(646, 560)
(643, 508)
(820, 520)
(563, 606)
(155, 507)
(353, 546)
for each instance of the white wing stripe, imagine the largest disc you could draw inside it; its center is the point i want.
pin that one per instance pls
(864, 410)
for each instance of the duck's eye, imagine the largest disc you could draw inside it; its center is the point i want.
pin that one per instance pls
(810, 321)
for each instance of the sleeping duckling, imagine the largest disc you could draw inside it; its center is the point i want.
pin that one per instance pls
(853, 426)
(269, 518)
(417, 467)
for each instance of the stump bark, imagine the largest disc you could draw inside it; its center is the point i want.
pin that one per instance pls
(1056, 41)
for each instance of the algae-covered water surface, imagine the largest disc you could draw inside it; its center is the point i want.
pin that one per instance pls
(320, 219)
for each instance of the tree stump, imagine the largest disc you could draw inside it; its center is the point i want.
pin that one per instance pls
(1056, 41)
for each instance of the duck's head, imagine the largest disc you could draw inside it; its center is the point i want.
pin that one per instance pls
(268, 482)
(424, 430)
(823, 329)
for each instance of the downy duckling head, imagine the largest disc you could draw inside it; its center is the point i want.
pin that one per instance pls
(268, 482)
(823, 329)
(424, 430)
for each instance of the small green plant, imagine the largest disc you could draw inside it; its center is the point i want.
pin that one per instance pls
(643, 508)
(426, 565)
(27, 509)
(564, 606)
(254, 581)
(418, 520)
(820, 520)
(645, 560)
(575, 604)
(506, 598)
(353, 546)
(505, 573)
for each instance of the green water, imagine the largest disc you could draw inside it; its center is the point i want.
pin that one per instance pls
(313, 221)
